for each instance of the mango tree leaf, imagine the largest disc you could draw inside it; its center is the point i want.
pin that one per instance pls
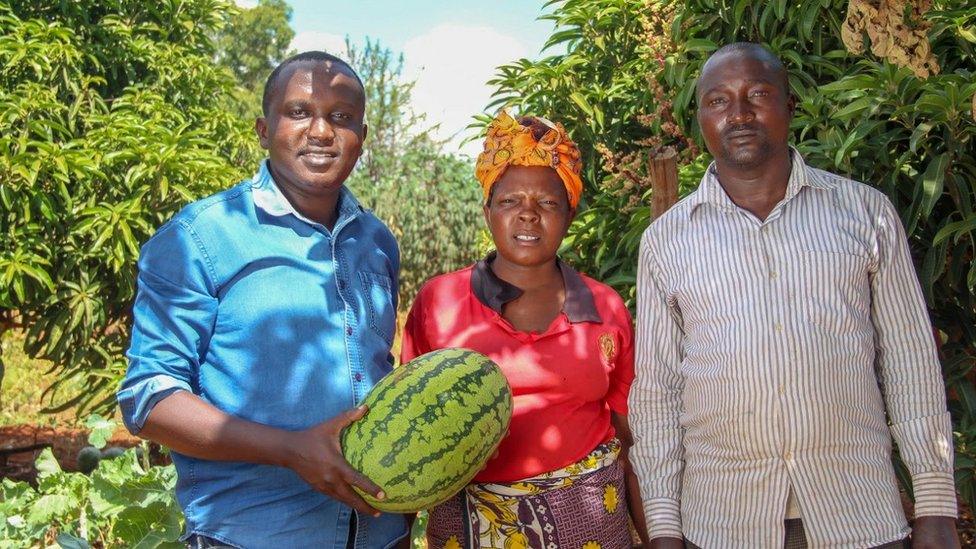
(956, 228)
(700, 44)
(933, 181)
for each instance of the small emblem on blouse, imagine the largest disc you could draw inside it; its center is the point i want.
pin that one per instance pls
(607, 347)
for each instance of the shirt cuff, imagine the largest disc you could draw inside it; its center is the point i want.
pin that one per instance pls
(663, 518)
(935, 495)
(136, 401)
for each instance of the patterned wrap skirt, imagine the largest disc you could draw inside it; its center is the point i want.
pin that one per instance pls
(581, 506)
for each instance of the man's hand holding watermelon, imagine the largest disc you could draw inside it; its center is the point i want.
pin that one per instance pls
(315, 454)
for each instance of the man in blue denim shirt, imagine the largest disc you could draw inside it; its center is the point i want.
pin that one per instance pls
(264, 315)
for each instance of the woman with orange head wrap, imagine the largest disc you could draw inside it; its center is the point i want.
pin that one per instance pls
(563, 340)
(532, 141)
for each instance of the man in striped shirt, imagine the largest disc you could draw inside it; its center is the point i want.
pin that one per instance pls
(779, 320)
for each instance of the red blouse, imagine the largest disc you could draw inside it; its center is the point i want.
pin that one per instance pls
(565, 381)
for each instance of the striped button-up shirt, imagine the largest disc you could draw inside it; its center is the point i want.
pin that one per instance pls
(768, 352)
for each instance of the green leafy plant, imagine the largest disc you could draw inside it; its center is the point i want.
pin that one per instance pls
(123, 502)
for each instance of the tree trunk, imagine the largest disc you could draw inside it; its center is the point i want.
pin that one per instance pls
(663, 169)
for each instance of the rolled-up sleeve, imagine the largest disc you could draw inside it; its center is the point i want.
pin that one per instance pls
(173, 319)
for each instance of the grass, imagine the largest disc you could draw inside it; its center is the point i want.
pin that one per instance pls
(23, 385)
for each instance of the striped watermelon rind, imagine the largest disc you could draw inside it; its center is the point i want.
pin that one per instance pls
(432, 425)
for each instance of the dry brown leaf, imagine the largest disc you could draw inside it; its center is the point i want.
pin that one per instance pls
(900, 40)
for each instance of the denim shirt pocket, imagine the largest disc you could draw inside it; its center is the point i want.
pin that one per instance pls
(378, 289)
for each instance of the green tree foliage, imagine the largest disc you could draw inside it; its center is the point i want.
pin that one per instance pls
(429, 199)
(597, 86)
(858, 115)
(255, 41)
(112, 116)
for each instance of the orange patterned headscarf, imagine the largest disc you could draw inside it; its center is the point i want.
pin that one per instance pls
(509, 143)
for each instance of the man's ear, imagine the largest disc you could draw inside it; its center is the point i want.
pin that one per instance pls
(791, 104)
(261, 128)
(363, 140)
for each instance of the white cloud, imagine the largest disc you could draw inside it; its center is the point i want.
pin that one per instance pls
(451, 64)
(311, 40)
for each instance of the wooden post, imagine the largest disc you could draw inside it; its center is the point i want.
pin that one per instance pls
(663, 170)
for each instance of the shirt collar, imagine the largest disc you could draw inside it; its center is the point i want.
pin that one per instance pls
(494, 292)
(268, 197)
(710, 190)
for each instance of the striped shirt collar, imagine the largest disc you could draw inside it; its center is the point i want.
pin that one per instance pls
(494, 292)
(269, 198)
(710, 190)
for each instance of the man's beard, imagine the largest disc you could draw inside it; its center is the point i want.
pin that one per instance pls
(749, 156)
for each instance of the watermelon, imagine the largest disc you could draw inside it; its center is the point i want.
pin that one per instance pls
(432, 424)
(88, 458)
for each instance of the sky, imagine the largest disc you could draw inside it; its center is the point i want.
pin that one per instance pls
(450, 48)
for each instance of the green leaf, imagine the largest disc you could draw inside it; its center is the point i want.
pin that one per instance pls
(46, 464)
(101, 430)
(51, 507)
(17, 521)
(700, 44)
(956, 228)
(149, 526)
(932, 268)
(780, 9)
(920, 131)
(967, 397)
(854, 107)
(856, 82)
(581, 102)
(932, 183)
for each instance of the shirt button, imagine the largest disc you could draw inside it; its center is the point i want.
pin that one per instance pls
(358, 376)
(781, 389)
(773, 275)
(789, 456)
(778, 327)
(349, 330)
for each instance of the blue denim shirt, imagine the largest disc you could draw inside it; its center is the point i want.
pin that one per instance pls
(272, 318)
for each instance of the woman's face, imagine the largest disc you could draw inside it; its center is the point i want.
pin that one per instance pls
(528, 215)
